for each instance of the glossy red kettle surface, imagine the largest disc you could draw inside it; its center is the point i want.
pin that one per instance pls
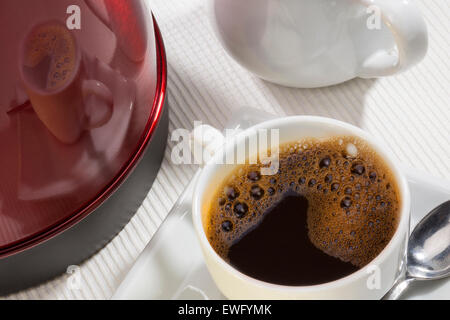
(77, 106)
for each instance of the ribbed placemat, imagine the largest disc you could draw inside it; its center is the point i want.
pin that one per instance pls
(409, 112)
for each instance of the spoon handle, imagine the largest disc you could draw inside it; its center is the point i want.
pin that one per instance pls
(398, 288)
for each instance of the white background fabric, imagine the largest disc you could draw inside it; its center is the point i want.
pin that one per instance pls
(409, 112)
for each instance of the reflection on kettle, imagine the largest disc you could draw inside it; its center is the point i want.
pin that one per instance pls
(55, 79)
(76, 98)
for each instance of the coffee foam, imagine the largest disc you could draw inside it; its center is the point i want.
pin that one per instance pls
(352, 194)
(50, 56)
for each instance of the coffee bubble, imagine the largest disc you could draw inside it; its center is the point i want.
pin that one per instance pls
(231, 193)
(240, 209)
(254, 176)
(227, 226)
(256, 192)
(325, 162)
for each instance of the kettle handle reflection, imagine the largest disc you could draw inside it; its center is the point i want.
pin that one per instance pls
(131, 33)
(99, 9)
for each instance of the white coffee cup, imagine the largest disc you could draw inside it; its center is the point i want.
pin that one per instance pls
(370, 282)
(315, 43)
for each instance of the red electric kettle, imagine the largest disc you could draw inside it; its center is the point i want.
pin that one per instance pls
(82, 92)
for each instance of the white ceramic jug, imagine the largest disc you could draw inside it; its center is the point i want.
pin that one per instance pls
(315, 43)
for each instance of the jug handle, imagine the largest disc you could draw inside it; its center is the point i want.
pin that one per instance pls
(409, 29)
(99, 9)
(131, 35)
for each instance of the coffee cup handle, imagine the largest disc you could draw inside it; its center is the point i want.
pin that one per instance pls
(409, 29)
(98, 102)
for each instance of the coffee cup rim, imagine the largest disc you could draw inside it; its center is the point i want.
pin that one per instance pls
(212, 168)
(74, 74)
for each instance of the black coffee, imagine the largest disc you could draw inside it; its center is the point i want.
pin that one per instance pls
(331, 209)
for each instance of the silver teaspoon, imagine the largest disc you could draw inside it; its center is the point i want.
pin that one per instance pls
(428, 255)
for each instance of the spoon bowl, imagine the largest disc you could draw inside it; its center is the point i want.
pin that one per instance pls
(428, 256)
(429, 245)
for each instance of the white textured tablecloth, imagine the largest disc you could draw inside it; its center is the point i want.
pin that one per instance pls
(409, 112)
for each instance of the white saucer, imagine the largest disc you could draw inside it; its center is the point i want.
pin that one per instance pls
(172, 267)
